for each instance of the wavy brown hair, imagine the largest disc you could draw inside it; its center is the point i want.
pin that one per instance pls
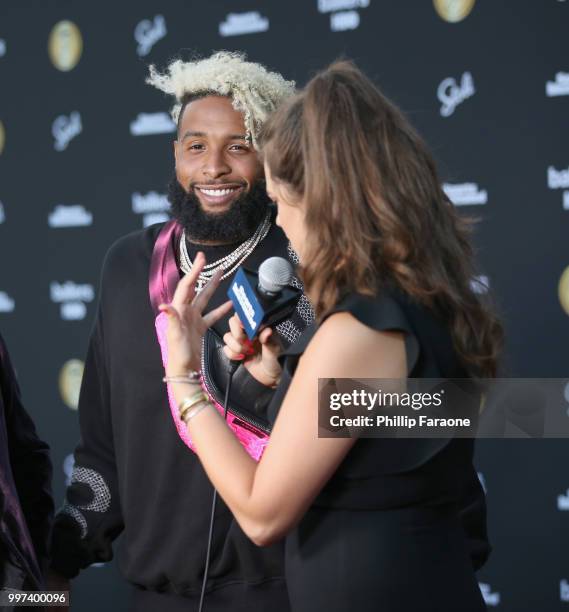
(375, 209)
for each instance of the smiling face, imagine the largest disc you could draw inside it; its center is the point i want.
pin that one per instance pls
(214, 160)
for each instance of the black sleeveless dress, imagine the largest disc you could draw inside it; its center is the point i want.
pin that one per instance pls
(385, 533)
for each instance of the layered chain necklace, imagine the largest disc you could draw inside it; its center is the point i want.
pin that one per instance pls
(230, 262)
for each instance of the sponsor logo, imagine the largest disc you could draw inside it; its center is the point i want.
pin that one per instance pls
(236, 24)
(72, 298)
(490, 599)
(70, 379)
(153, 206)
(465, 194)
(69, 216)
(563, 501)
(559, 179)
(65, 45)
(564, 590)
(7, 304)
(2, 137)
(2, 213)
(559, 87)
(147, 33)
(343, 16)
(152, 123)
(328, 6)
(248, 310)
(2, 47)
(563, 291)
(65, 129)
(345, 20)
(451, 94)
(453, 11)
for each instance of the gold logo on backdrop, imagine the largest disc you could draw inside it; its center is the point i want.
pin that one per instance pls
(453, 10)
(65, 45)
(70, 382)
(564, 290)
(2, 137)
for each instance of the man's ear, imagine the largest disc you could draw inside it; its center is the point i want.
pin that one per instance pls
(175, 147)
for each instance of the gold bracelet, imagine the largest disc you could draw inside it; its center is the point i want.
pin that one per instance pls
(189, 414)
(192, 400)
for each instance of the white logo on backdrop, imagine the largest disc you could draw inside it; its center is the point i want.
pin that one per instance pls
(480, 284)
(65, 128)
(147, 33)
(72, 298)
(564, 590)
(70, 216)
(2, 47)
(559, 179)
(7, 304)
(152, 123)
(153, 206)
(559, 87)
(343, 16)
(236, 24)
(451, 93)
(465, 194)
(328, 6)
(2, 213)
(563, 501)
(346, 20)
(490, 599)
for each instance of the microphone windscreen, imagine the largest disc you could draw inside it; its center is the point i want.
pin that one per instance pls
(275, 273)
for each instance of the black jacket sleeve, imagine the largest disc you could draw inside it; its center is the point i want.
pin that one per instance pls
(29, 459)
(91, 518)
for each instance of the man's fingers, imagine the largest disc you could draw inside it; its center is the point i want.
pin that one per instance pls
(205, 294)
(185, 291)
(211, 318)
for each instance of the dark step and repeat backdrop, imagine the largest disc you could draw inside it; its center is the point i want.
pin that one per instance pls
(86, 153)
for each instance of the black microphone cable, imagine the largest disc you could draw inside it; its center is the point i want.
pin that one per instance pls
(233, 365)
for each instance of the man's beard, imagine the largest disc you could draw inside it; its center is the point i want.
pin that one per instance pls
(236, 224)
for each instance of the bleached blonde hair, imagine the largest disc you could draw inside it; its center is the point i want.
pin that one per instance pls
(254, 91)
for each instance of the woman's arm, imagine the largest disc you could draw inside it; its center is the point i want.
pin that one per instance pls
(269, 498)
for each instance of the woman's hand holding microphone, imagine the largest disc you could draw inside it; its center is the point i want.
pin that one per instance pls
(260, 356)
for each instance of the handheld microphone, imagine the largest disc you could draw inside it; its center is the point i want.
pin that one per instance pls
(265, 298)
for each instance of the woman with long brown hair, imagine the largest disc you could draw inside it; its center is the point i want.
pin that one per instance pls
(386, 262)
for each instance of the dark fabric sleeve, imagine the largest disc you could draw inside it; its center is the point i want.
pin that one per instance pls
(91, 518)
(29, 458)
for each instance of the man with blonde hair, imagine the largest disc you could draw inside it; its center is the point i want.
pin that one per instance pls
(135, 471)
